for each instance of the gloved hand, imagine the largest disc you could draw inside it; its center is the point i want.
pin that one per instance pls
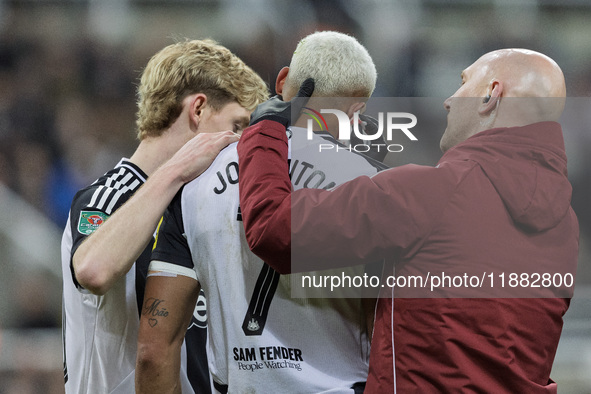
(369, 126)
(280, 111)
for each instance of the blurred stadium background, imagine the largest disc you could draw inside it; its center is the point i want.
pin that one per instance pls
(68, 71)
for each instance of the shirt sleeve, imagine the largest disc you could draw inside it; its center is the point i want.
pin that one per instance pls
(363, 220)
(171, 244)
(85, 219)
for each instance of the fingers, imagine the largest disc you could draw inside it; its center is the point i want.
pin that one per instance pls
(301, 98)
(199, 152)
(224, 139)
(273, 106)
(306, 89)
(204, 143)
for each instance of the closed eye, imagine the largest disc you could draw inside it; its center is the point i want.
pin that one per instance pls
(240, 125)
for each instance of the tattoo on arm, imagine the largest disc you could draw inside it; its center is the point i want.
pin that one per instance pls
(154, 309)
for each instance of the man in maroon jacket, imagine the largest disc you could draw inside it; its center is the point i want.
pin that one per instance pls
(494, 213)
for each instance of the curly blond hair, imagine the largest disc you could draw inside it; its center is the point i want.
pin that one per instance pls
(188, 67)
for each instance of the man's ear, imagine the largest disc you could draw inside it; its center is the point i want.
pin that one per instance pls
(280, 82)
(492, 99)
(359, 106)
(196, 104)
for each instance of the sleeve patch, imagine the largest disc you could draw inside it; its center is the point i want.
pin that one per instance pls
(90, 221)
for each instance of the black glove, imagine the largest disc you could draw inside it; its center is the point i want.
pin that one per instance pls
(369, 126)
(280, 111)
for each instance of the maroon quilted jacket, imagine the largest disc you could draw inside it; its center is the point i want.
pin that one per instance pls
(496, 205)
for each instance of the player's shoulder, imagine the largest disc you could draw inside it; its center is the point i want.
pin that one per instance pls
(344, 154)
(227, 155)
(124, 174)
(225, 165)
(323, 149)
(110, 189)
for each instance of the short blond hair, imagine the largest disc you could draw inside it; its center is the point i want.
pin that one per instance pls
(339, 64)
(188, 67)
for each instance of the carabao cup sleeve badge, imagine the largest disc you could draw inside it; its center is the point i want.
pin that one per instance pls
(90, 221)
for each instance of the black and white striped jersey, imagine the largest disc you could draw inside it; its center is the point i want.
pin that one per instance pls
(100, 332)
(261, 339)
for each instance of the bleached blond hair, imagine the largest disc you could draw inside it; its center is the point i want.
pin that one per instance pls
(188, 67)
(339, 64)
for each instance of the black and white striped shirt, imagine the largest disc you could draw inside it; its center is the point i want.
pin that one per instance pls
(100, 332)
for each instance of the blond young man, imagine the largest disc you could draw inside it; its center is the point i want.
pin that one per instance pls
(188, 93)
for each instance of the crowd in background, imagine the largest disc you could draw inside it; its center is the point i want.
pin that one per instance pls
(68, 71)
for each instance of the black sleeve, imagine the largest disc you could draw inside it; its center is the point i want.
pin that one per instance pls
(171, 244)
(84, 220)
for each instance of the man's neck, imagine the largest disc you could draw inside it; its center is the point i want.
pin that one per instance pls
(152, 152)
(332, 126)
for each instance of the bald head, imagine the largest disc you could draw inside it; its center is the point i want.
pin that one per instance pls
(525, 73)
(504, 88)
